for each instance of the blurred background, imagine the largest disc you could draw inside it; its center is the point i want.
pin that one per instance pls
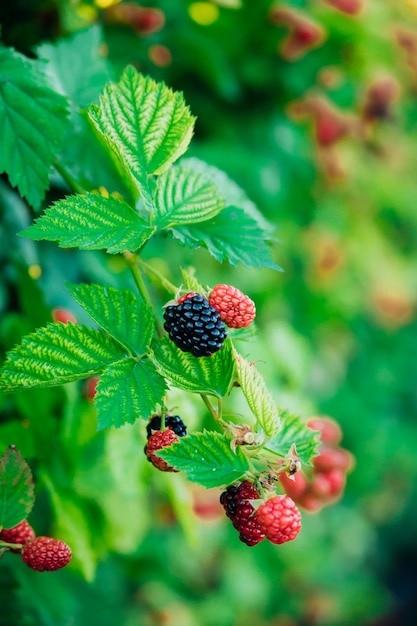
(311, 107)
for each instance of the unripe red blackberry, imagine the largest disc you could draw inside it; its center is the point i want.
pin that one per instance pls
(195, 326)
(330, 431)
(160, 439)
(235, 308)
(280, 519)
(236, 503)
(45, 554)
(21, 533)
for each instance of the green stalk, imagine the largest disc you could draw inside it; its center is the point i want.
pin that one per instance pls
(70, 180)
(132, 262)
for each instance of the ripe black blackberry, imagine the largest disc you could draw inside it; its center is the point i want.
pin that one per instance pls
(173, 422)
(195, 326)
(236, 503)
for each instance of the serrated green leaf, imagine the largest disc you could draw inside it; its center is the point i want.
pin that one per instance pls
(295, 431)
(126, 391)
(184, 196)
(210, 375)
(207, 459)
(258, 396)
(92, 222)
(229, 190)
(119, 312)
(16, 488)
(58, 354)
(233, 236)
(144, 123)
(33, 121)
(75, 66)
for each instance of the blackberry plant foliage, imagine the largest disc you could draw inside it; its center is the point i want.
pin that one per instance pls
(140, 347)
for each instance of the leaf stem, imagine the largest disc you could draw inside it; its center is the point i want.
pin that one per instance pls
(164, 282)
(132, 262)
(70, 180)
(216, 413)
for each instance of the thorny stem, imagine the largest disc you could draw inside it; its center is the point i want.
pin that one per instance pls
(216, 413)
(131, 260)
(70, 180)
(164, 282)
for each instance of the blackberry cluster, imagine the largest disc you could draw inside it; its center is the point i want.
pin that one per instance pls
(173, 422)
(235, 501)
(195, 326)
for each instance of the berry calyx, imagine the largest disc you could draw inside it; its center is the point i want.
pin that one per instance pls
(160, 439)
(280, 519)
(235, 308)
(45, 554)
(236, 503)
(173, 422)
(195, 326)
(21, 533)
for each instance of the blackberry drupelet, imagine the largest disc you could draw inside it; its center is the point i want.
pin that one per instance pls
(173, 422)
(236, 503)
(195, 326)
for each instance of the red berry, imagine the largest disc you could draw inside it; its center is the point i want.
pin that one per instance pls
(235, 309)
(310, 502)
(280, 519)
(21, 533)
(330, 431)
(330, 458)
(236, 503)
(45, 554)
(294, 486)
(187, 296)
(63, 315)
(160, 439)
(90, 387)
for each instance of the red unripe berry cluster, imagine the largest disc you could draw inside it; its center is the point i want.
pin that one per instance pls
(160, 439)
(39, 553)
(236, 309)
(278, 519)
(21, 533)
(304, 34)
(328, 478)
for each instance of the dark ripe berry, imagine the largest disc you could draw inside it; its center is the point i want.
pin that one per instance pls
(195, 326)
(45, 554)
(235, 501)
(173, 422)
(160, 439)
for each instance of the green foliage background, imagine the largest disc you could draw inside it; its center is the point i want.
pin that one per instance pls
(336, 329)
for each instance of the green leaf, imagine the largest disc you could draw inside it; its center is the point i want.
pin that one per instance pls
(258, 396)
(229, 190)
(92, 222)
(125, 317)
(233, 236)
(210, 375)
(33, 121)
(144, 123)
(184, 196)
(126, 391)
(190, 281)
(207, 459)
(58, 354)
(75, 66)
(16, 489)
(295, 431)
